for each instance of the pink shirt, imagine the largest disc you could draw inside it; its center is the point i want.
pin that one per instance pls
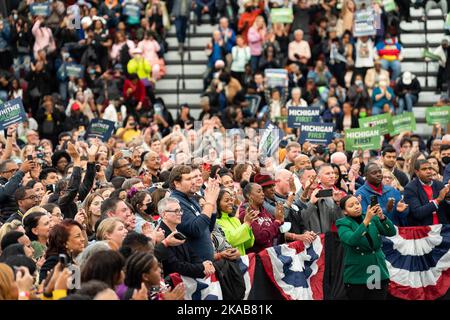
(255, 41)
(150, 49)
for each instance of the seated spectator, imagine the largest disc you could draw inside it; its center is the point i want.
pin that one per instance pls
(299, 50)
(204, 6)
(374, 75)
(389, 51)
(407, 89)
(383, 98)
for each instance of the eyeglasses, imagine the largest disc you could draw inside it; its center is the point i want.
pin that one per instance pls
(33, 197)
(177, 211)
(10, 171)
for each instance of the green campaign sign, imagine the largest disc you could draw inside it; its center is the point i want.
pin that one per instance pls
(435, 115)
(12, 112)
(363, 138)
(282, 15)
(403, 122)
(381, 121)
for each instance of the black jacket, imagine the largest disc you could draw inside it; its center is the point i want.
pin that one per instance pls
(179, 259)
(401, 177)
(420, 208)
(8, 204)
(76, 188)
(340, 122)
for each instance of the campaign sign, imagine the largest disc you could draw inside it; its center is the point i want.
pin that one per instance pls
(299, 115)
(381, 121)
(435, 115)
(364, 23)
(276, 78)
(12, 112)
(316, 132)
(100, 128)
(282, 15)
(403, 122)
(74, 70)
(133, 11)
(40, 9)
(363, 139)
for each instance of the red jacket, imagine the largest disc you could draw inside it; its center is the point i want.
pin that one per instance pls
(265, 229)
(137, 90)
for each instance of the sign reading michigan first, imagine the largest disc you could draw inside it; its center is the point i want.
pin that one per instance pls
(12, 112)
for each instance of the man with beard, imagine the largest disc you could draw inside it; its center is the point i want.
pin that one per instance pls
(428, 200)
(389, 158)
(389, 198)
(152, 163)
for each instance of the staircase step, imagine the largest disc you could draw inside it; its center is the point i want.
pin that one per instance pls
(171, 99)
(205, 28)
(171, 84)
(421, 11)
(187, 62)
(429, 97)
(175, 69)
(193, 42)
(191, 48)
(198, 90)
(420, 40)
(419, 26)
(416, 67)
(431, 82)
(191, 56)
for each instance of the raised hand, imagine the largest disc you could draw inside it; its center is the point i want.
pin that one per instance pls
(371, 212)
(177, 293)
(141, 294)
(171, 241)
(401, 206)
(250, 216)
(279, 212)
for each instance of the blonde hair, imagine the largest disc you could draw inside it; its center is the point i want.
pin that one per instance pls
(107, 226)
(398, 186)
(9, 226)
(6, 282)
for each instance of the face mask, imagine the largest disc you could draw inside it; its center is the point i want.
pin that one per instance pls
(229, 165)
(358, 82)
(362, 114)
(65, 55)
(15, 17)
(383, 84)
(149, 210)
(446, 160)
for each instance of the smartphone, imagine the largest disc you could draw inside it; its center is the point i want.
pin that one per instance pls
(373, 201)
(126, 153)
(180, 236)
(325, 193)
(63, 260)
(97, 168)
(30, 157)
(50, 187)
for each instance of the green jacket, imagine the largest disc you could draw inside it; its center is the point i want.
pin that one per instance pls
(358, 254)
(240, 236)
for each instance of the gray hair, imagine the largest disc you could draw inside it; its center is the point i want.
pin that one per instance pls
(163, 203)
(127, 184)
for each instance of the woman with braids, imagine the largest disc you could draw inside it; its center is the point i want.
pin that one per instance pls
(144, 274)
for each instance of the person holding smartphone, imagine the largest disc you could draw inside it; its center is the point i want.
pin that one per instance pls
(389, 198)
(360, 236)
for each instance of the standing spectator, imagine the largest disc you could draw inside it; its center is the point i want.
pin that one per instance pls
(241, 56)
(356, 232)
(196, 224)
(428, 199)
(387, 197)
(43, 37)
(21, 39)
(247, 18)
(407, 89)
(181, 11)
(389, 159)
(364, 52)
(228, 34)
(299, 50)
(256, 37)
(151, 49)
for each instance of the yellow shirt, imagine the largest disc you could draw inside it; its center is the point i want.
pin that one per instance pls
(129, 135)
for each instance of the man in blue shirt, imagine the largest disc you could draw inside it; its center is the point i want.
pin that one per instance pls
(196, 223)
(389, 199)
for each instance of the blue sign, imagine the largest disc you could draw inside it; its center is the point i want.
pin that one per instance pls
(12, 112)
(133, 12)
(74, 70)
(40, 9)
(100, 128)
(316, 133)
(299, 115)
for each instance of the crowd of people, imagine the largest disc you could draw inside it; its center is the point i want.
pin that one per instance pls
(164, 196)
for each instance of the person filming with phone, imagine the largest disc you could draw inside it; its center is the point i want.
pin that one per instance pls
(374, 192)
(320, 198)
(360, 234)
